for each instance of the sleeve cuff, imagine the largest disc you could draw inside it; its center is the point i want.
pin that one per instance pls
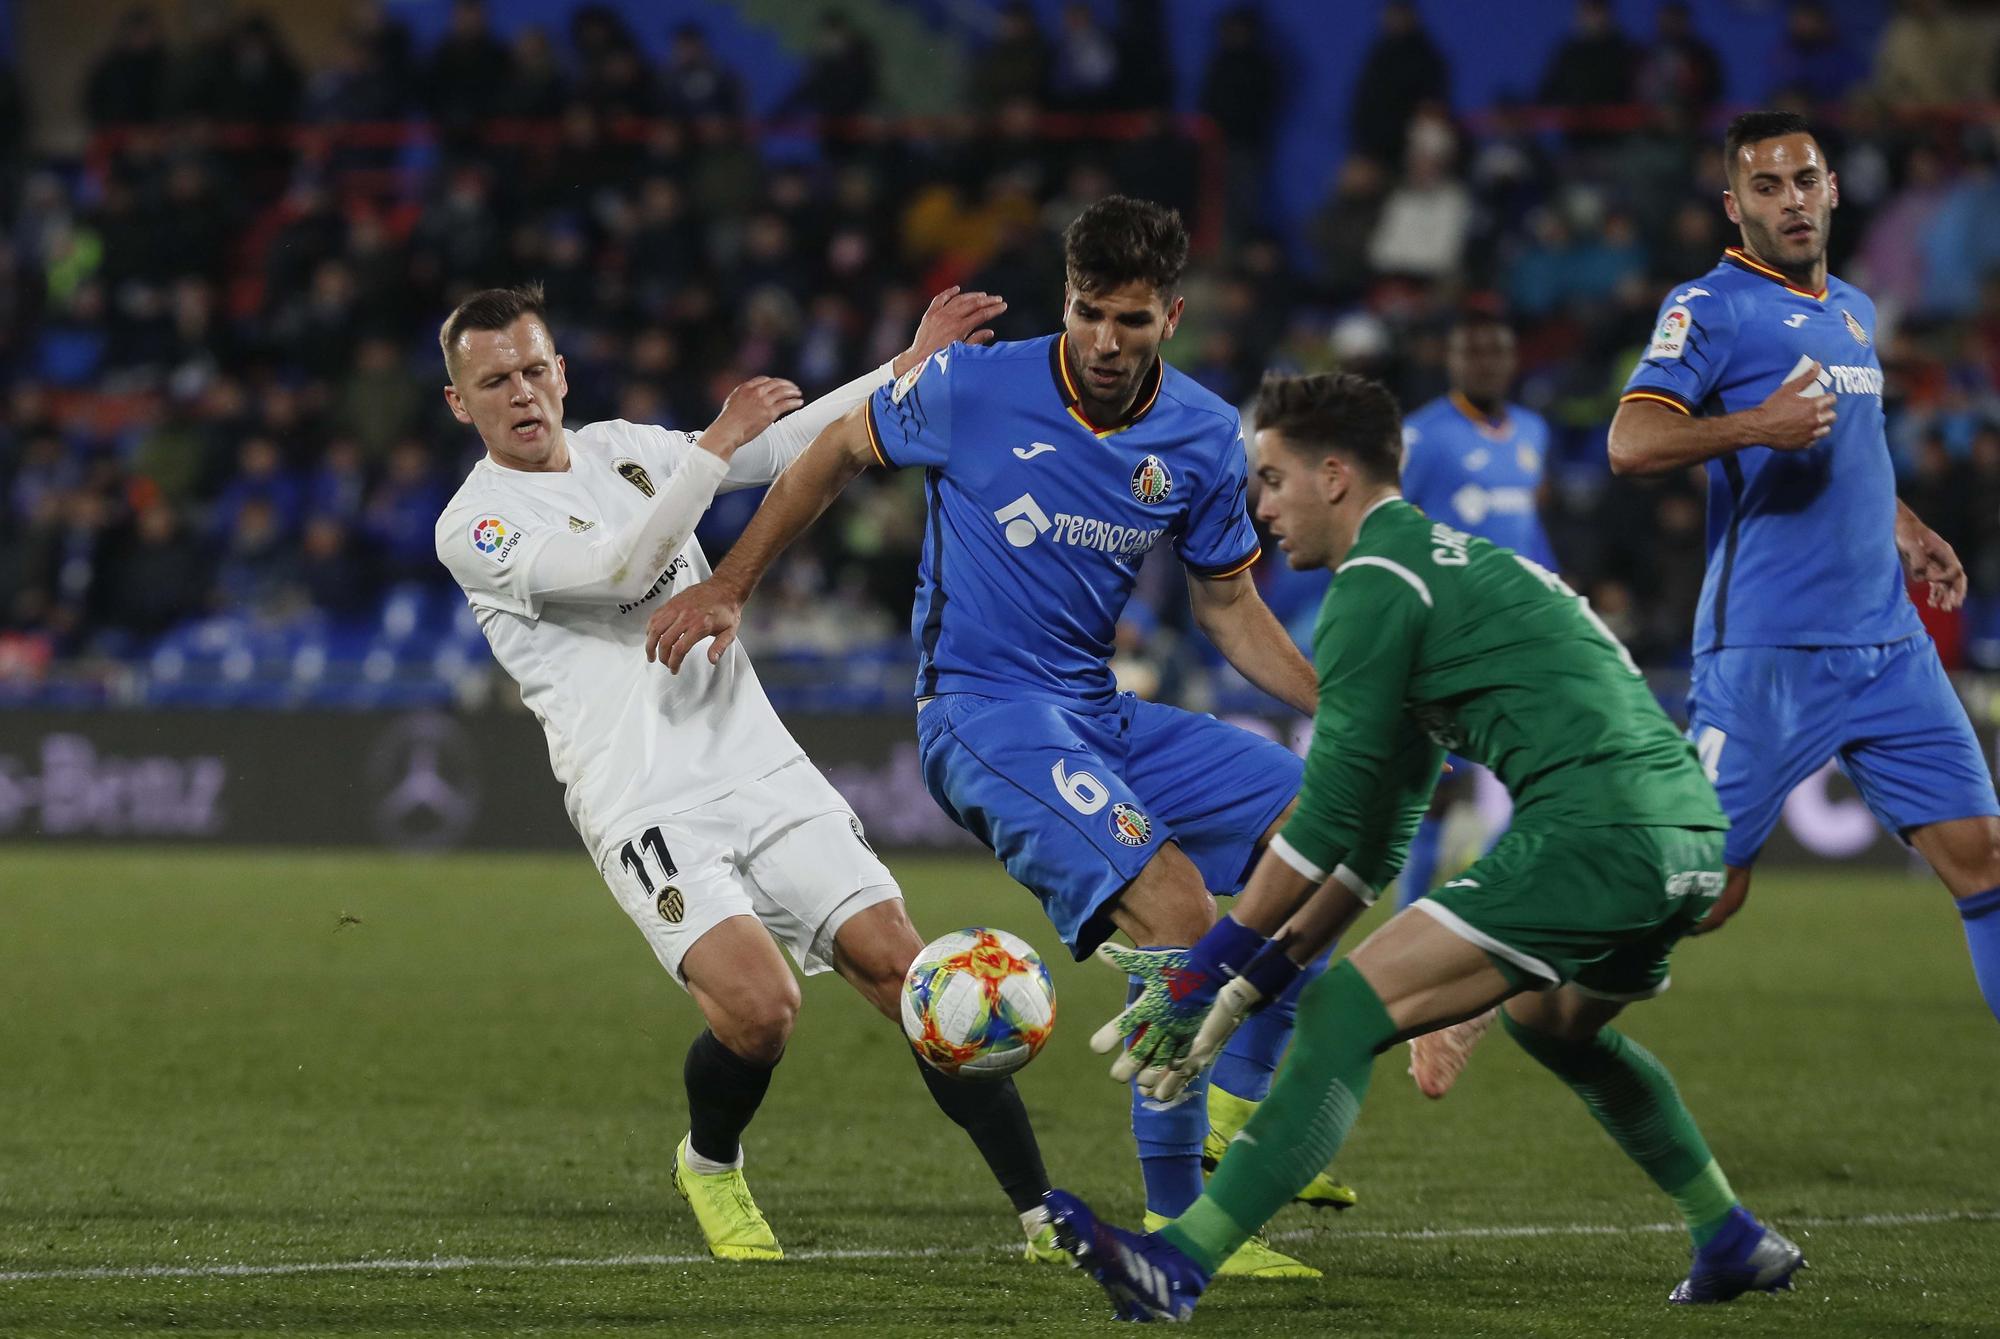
(1289, 853)
(1657, 396)
(1354, 883)
(1229, 569)
(875, 438)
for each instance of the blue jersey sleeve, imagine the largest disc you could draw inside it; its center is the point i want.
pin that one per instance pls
(909, 420)
(1417, 468)
(1219, 540)
(1691, 343)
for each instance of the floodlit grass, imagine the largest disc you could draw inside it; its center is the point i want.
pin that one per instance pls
(214, 1061)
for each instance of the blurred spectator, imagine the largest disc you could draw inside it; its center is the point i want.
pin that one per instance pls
(1677, 69)
(1814, 59)
(1425, 220)
(1014, 66)
(1593, 66)
(401, 512)
(536, 86)
(1145, 72)
(1241, 93)
(469, 72)
(159, 577)
(338, 487)
(1930, 54)
(261, 480)
(258, 572)
(379, 402)
(127, 85)
(1402, 70)
(227, 353)
(330, 576)
(695, 84)
(1086, 61)
(840, 78)
(260, 82)
(1345, 227)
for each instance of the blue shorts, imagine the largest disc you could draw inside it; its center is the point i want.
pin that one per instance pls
(1075, 802)
(1764, 718)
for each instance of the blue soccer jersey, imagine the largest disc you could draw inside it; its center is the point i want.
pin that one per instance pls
(1801, 544)
(1479, 475)
(1038, 518)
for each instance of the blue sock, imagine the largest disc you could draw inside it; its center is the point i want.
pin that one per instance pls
(1169, 1141)
(1981, 913)
(1421, 867)
(1246, 1065)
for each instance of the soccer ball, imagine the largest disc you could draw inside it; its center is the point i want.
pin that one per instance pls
(978, 1003)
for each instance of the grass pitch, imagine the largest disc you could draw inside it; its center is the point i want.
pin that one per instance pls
(357, 1094)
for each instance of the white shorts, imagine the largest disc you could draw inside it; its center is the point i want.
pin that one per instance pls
(785, 848)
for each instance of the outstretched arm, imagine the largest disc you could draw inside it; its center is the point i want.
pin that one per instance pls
(715, 607)
(619, 564)
(1231, 613)
(953, 316)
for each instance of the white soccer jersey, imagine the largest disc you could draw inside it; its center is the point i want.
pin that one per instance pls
(626, 738)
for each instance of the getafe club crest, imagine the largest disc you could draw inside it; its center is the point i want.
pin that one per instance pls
(1151, 483)
(632, 472)
(1854, 328)
(1129, 825)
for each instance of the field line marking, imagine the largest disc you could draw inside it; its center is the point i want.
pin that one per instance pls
(453, 1263)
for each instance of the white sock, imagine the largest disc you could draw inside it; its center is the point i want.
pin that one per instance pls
(701, 1166)
(1034, 1220)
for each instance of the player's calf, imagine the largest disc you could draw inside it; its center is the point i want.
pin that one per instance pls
(1965, 852)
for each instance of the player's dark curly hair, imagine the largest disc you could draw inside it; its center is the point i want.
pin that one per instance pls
(1754, 128)
(1335, 411)
(1119, 240)
(490, 309)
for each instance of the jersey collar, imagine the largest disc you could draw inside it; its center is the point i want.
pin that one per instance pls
(1743, 260)
(1496, 428)
(1149, 390)
(1377, 506)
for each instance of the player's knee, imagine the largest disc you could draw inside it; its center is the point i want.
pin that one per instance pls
(758, 1024)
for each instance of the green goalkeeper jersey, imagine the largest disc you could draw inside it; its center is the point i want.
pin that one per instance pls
(1431, 639)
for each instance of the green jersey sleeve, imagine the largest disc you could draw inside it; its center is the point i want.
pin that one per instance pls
(1351, 805)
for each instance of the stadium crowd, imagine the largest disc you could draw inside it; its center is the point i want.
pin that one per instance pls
(220, 323)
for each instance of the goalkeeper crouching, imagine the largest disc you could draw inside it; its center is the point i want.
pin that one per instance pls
(1432, 639)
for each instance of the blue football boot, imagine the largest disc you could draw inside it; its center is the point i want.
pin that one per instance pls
(1744, 1257)
(1145, 1278)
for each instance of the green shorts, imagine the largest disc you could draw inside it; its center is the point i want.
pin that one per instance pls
(1597, 908)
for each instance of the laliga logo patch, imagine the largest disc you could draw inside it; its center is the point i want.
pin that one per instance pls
(492, 536)
(1854, 328)
(1670, 340)
(1130, 826)
(1151, 483)
(670, 905)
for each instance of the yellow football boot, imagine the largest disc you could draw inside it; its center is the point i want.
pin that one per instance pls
(729, 1218)
(1228, 1113)
(1254, 1259)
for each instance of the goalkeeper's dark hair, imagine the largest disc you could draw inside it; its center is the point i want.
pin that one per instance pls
(1756, 127)
(490, 309)
(1335, 411)
(1120, 240)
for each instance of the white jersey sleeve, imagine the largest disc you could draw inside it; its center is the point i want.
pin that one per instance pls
(767, 455)
(517, 565)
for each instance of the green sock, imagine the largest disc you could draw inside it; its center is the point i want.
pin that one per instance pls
(1300, 1126)
(1634, 1099)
